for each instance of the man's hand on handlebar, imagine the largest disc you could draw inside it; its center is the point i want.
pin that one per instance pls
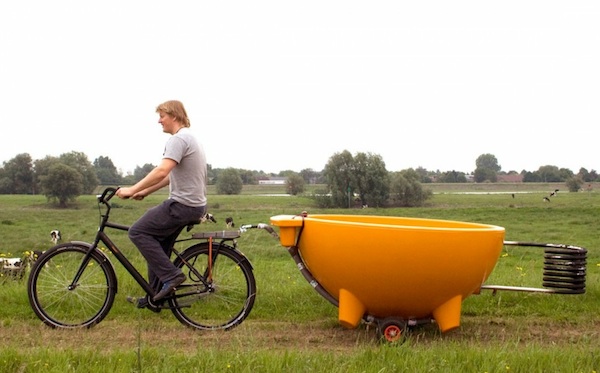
(125, 193)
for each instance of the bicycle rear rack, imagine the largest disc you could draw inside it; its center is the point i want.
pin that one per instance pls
(228, 235)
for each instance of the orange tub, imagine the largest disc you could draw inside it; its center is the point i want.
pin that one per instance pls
(381, 266)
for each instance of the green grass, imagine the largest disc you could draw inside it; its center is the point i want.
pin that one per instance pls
(291, 327)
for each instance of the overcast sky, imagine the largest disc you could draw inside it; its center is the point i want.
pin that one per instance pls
(281, 85)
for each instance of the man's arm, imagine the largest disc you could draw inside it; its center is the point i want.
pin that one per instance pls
(156, 179)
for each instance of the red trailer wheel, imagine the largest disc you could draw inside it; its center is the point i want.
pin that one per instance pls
(392, 330)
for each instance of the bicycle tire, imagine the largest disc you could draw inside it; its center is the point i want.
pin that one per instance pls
(230, 295)
(51, 297)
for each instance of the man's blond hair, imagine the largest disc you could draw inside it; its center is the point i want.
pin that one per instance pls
(175, 109)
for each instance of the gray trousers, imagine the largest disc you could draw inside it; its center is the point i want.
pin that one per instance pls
(154, 235)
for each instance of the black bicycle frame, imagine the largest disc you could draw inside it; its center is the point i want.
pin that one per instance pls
(101, 236)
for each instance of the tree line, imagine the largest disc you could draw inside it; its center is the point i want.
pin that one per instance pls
(350, 180)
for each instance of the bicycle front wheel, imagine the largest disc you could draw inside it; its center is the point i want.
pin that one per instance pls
(65, 291)
(219, 292)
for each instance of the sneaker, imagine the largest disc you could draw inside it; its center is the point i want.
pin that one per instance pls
(143, 302)
(169, 287)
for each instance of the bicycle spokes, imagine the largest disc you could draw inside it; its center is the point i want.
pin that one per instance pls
(223, 296)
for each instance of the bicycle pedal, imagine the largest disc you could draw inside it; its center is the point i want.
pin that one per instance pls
(144, 302)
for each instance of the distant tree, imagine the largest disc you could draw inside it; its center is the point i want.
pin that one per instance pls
(364, 175)
(106, 171)
(487, 161)
(583, 174)
(322, 198)
(286, 173)
(591, 176)
(42, 168)
(140, 172)
(210, 174)
(424, 175)
(309, 175)
(574, 184)
(229, 182)
(339, 172)
(371, 179)
(62, 183)
(79, 161)
(531, 177)
(565, 174)
(406, 189)
(214, 175)
(452, 177)
(294, 184)
(550, 174)
(482, 174)
(128, 179)
(248, 177)
(18, 176)
(5, 182)
(487, 168)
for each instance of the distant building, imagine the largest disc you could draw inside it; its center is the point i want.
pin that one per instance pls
(273, 181)
(510, 178)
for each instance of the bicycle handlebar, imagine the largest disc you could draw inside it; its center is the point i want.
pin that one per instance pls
(108, 193)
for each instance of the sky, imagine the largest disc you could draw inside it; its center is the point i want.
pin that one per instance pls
(282, 85)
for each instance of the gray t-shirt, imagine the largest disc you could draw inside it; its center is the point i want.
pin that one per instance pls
(187, 181)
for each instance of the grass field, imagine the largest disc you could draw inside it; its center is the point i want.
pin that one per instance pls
(291, 327)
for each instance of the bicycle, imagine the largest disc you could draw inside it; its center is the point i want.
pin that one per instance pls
(74, 284)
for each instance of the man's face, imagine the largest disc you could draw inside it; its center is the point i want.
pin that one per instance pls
(167, 121)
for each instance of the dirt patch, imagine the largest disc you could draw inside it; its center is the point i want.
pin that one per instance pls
(260, 335)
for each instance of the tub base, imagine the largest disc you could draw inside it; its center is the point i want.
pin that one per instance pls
(351, 309)
(447, 316)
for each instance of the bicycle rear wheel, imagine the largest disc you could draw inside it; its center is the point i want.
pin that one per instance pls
(219, 298)
(60, 305)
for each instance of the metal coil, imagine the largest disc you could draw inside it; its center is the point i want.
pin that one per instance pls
(565, 269)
